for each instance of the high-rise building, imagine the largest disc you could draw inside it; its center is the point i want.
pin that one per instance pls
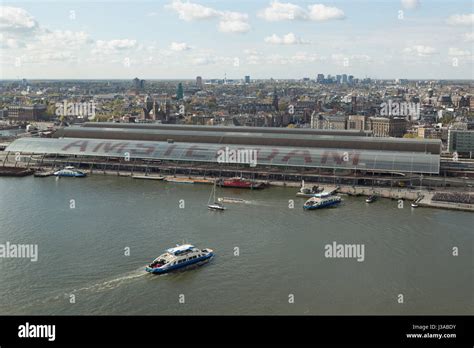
(179, 92)
(344, 78)
(275, 100)
(320, 78)
(247, 79)
(461, 141)
(199, 82)
(353, 104)
(350, 79)
(136, 83)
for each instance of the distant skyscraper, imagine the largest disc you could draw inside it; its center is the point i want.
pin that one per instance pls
(354, 104)
(350, 79)
(275, 100)
(338, 79)
(199, 82)
(344, 78)
(320, 78)
(247, 79)
(179, 92)
(136, 83)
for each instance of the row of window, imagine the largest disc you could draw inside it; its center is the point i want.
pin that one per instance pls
(188, 259)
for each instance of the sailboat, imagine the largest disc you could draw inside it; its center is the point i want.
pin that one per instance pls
(215, 205)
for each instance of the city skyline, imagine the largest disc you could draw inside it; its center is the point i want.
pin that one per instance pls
(406, 39)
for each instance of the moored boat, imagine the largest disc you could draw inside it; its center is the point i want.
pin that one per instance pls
(371, 199)
(311, 191)
(43, 174)
(148, 177)
(179, 257)
(15, 171)
(180, 180)
(70, 171)
(318, 203)
(238, 182)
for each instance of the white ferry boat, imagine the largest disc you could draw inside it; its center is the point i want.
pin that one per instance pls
(318, 203)
(179, 257)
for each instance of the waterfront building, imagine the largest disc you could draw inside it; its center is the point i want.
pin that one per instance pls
(461, 141)
(279, 148)
(33, 112)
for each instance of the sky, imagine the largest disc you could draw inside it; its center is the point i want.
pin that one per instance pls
(288, 39)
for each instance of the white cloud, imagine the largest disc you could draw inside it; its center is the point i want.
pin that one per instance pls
(58, 38)
(410, 4)
(320, 12)
(209, 58)
(115, 45)
(229, 22)
(57, 56)
(420, 50)
(234, 22)
(179, 46)
(461, 19)
(468, 37)
(287, 39)
(303, 57)
(16, 19)
(189, 11)
(349, 60)
(278, 11)
(453, 51)
(6, 42)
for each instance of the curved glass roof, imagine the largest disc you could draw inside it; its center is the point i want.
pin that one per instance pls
(382, 161)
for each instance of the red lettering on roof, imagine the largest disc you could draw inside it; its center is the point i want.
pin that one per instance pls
(191, 149)
(82, 144)
(169, 150)
(298, 153)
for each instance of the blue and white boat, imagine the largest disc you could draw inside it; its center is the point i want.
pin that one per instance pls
(179, 257)
(318, 203)
(70, 172)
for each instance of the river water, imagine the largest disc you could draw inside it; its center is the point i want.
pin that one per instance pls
(270, 258)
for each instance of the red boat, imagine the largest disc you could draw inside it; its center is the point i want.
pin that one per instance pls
(240, 183)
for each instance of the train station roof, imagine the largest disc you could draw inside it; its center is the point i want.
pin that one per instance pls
(340, 158)
(305, 140)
